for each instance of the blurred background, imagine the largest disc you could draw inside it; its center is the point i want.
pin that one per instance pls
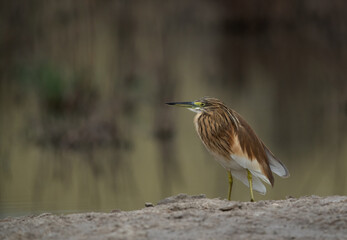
(83, 124)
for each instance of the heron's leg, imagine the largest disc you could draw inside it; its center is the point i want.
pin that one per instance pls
(230, 184)
(249, 176)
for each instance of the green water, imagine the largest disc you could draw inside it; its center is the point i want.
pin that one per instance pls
(38, 178)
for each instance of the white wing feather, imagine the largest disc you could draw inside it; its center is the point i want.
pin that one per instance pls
(276, 166)
(242, 176)
(252, 166)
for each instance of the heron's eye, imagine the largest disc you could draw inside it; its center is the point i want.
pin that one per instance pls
(203, 104)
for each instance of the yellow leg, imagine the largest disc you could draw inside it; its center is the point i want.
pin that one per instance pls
(230, 184)
(249, 176)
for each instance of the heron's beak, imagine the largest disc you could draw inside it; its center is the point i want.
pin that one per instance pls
(183, 104)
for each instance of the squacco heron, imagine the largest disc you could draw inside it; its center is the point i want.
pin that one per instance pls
(234, 144)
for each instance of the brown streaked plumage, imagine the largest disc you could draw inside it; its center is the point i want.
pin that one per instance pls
(234, 144)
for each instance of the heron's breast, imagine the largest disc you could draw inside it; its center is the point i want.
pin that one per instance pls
(215, 138)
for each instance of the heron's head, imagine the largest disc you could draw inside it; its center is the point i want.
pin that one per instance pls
(205, 104)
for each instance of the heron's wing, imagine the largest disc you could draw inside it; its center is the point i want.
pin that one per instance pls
(248, 151)
(276, 165)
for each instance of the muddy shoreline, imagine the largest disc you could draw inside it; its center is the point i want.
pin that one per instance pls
(194, 217)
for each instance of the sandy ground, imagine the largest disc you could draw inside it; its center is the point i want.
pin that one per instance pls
(194, 217)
